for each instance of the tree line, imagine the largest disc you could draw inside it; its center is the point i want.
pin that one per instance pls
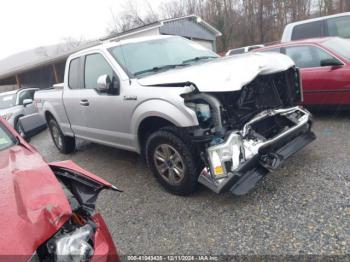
(242, 22)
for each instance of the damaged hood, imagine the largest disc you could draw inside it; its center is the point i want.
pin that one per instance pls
(223, 74)
(33, 205)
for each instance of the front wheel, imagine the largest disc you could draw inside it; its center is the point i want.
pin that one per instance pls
(65, 144)
(173, 162)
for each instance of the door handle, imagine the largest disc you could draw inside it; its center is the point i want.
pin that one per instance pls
(84, 102)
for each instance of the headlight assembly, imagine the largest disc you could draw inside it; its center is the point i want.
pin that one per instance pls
(71, 243)
(227, 156)
(74, 246)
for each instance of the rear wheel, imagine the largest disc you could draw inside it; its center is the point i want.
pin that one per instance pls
(172, 161)
(65, 144)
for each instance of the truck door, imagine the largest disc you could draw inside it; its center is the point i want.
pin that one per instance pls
(107, 120)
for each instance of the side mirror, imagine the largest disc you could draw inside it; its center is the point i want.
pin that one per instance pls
(27, 102)
(103, 83)
(331, 62)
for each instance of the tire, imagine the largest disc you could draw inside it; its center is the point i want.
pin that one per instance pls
(173, 161)
(65, 144)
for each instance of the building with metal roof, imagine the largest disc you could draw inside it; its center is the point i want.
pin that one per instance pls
(42, 67)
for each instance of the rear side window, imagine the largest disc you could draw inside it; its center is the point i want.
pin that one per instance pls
(96, 66)
(308, 30)
(73, 77)
(339, 26)
(307, 56)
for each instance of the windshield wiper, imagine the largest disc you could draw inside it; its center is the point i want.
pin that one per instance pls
(198, 58)
(158, 68)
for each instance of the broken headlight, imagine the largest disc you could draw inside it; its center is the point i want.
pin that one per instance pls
(227, 156)
(202, 110)
(73, 242)
(75, 245)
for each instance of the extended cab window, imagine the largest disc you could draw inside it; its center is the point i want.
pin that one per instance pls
(308, 30)
(96, 66)
(73, 76)
(307, 56)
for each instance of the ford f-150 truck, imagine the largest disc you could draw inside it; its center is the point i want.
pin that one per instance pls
(194, 116)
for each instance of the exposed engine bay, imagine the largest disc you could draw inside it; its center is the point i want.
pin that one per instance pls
(255, 126)
(231, 110)
(75, 239)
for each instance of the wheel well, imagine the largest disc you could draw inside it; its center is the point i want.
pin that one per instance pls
(48, 116)
(148, 126)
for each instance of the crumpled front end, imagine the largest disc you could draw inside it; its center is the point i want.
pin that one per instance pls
(84, 236)
(243, 135)
(264, 143)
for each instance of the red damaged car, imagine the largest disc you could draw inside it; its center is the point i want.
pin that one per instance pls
(324, 67)
(48, 210)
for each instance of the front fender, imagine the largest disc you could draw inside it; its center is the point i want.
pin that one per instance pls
(180, 116)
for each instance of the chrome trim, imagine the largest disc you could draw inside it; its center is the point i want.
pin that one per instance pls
(249, 147)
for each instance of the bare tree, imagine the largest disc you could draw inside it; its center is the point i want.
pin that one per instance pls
(242, 22)
(131, 17)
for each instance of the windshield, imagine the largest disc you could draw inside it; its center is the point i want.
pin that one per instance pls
(6, 139)
(7, 101)
(339, 46)
(153, 56)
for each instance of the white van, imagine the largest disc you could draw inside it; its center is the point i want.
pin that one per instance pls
(333, 25)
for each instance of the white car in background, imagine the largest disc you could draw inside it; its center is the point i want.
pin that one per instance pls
(16, 104)
(332, 25)
(242, 50)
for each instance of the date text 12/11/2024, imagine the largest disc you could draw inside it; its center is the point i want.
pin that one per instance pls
(172, 258)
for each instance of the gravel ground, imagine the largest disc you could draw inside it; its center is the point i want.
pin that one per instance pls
(303, 208)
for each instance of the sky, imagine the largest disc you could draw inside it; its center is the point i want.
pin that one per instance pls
(26, 24)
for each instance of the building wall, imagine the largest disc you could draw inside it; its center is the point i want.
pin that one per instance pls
(187, 28)
(5, 88)
(40, 78)
(204, 43)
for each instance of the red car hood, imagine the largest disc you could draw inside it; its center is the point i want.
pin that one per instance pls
(33, 205)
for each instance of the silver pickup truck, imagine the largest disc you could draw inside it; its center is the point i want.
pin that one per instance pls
(194, 116)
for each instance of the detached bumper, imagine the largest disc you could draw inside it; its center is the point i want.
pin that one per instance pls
(263, 157)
